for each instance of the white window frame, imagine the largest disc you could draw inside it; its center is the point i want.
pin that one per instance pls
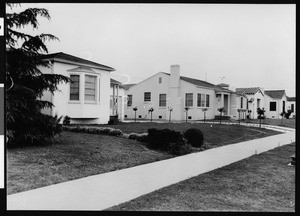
(96, 88)
(79, 88)
(160, 101)
(189, 100)
(147, 99)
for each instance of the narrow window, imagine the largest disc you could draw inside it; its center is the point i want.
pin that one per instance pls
(147, 96)
(202, 100)
(207, 100)
(247, 104)
(74, 87)
(90, 88)
(198, 100)
(162, 100)
(129, 100)
(272, 106)
(241, 103)
(283, 106)
(292, 107)
(189, 99)
(160, 80)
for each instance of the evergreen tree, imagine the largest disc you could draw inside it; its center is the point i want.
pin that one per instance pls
(25, 83)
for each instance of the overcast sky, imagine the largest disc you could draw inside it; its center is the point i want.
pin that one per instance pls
(248, 44)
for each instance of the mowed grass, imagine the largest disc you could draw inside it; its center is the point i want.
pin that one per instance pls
(215, 135)
(262, 182)
(78, 155)
(73, 156)
(279, 122)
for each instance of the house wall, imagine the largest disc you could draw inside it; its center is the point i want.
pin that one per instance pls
(289, 106)
(82, 111)
(236, 104)
(149, 85)
(279, 104)
(175, 99)
(253, 105)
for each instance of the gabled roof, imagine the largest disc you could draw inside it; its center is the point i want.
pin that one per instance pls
(291, 98)
(113, 81)
(252, 90)
(67, 57)
(202, 83)
(276, 94)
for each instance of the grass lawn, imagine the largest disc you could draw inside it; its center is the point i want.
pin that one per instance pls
(279, 122)
(73, 156)
(262, 182)
(215, 134)
(77, 155)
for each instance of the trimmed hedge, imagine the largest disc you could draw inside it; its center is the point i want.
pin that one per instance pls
(194, 137)
(94, 130)
(167, 140)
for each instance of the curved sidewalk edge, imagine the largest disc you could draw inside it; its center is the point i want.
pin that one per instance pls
(102, 191)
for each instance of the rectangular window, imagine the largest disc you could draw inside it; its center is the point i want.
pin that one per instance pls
(207, 100)
(292, 107)
(129, 100)
(247, 104)
(202, 100)
(198, 100)
(258, 103)
(90, 88)
(160, 80)
(272, 106)
(241, 103)
(74, 87)
(147, 96)
(162, 100)
(189, 99)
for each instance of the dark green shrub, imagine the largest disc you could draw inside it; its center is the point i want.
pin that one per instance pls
(115, 132)
(113, 120)
(162, 139)
(194, 137)
(180, 148)
(67, 120)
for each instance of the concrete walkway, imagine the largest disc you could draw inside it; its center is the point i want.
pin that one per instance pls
(102, 191)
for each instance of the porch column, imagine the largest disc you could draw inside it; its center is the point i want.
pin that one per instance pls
(117, 107)
(113, 100)
(222, 100)
(228, 105)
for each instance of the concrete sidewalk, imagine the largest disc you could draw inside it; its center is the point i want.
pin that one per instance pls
(102, 191)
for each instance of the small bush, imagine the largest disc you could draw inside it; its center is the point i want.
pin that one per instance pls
(67, 120)
(194, 137)
(113, 120)
(165, 139)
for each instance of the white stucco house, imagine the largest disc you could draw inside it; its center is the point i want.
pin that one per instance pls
(275, 102)
(291, 105)
(164, 91)
(255, 99)
(86, 99)
(117, 99)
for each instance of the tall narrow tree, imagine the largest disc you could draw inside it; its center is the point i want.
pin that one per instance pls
(26, 83)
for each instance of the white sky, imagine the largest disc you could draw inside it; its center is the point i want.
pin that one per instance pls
(248, 44)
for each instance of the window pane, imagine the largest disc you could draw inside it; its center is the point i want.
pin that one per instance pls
(90, 88)
(241, 103)
(272, 106)
(202, 100)
(129, 102)
(74, 87)
(162, 100)
(198, 100)
(207, 100)
(147, 96)
(189, 99)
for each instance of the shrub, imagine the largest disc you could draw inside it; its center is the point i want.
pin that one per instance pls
(162, 139)
(113, 120)
(139, 137)
(67, 120)
(194, 137)
(180, 148)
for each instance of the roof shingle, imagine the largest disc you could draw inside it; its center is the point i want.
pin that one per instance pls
(251, 90)
(276, 94)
